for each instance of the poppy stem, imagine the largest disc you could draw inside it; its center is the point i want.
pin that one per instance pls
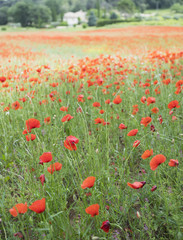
(116, 225)
(133, 150)
(22, 226)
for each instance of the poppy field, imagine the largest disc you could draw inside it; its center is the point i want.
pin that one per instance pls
(92, 134)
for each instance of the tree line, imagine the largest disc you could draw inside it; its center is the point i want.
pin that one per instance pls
(38, 12)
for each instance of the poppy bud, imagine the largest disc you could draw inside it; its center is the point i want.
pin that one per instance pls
(152, 128)
(42, 179)
(174, 118)
(18, 234)
(136, 143)
(160, 119)
(107, 207)
(153, 188)
(88, 194)
(106, 226)
(138, 214)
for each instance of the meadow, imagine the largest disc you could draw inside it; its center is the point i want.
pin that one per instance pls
(92, 134)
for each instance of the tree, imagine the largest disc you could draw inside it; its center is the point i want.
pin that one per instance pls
(141, 4)
(98, 8)
(177, 8)
(155, 4)
(3, 15)
(54, 6)
(113, 15)
(40, 14)
(21, 13)
(78, 6)
(126, 6)
(92, 20)
(90, 4)
(113, 3)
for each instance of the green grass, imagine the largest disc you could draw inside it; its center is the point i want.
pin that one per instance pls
(160, 12)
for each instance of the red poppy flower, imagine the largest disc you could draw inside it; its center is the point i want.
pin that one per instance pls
(150, 100)
(155, 110)
(179, 83)
(47, 120)
(135, 109)
(81, 96)
(102, 111)
(45, 157)
(145, 121)
(122, 126)
(32, 123)
(6, 109)
(31, 137)
(38, 206)
(18, 208)
(54, 167)
(105, 123)
(173, 163)
(106, 226)
(147, 91)
(80, 99)
(64, 109)
(67, 118)
(15, 105)
(136, 143)
(88, 182)
(93, 210)
(166, 81)
(143, 99)
(70, 143)
(136, 185)
(99, 120)
(2, 79)
(23, 99)
(38, 70)
(89, 97)
(156, 161)
(173, 104)
(133, 132)
(42, 179)
(117, 100)
(96, 104)
(107, 101)
(100, 81)
(179, 90)
(153, 188)
(24, 131)
(147, 154)
(5, 85)
(160, 119)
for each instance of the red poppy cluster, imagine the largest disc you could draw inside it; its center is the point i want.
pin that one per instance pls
(38, 206)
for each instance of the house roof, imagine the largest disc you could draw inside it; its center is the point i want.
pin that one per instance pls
(75, 14)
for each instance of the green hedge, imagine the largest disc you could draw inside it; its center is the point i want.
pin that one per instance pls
(104, 22)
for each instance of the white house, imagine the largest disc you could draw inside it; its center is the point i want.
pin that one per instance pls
(74, 17)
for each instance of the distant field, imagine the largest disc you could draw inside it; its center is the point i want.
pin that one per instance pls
(91, 134)
(127, 40)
